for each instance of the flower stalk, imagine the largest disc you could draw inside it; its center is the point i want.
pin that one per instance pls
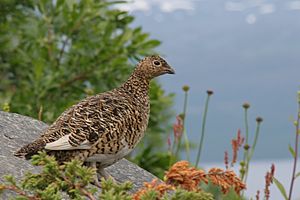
(184, 133)
(295, 149)
(209, 93)
(244, 164)
(258, 123)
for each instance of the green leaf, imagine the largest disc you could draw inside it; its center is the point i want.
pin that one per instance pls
(150, 195)
(280, 188)
(70, 3)
(292, 151)
(149, 45)
(21, 198)
(10, 179)
(297, 175)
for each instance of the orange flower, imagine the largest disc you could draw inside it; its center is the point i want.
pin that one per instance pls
(161, 188)
(178, 128)
(269, 180)
(226, 160)
(226, 180)
(180, 174)
(236, 144)
(188, 178)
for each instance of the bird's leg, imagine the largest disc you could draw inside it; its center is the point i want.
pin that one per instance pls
(96, 180)
(102, 173)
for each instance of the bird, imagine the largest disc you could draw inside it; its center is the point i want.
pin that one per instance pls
(104, 128)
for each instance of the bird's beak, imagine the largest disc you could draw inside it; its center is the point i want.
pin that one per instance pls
(171, 71)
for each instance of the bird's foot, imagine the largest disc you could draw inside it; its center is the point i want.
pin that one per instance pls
(102, 173)
(96, 181)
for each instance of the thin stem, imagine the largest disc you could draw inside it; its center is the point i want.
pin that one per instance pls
(187, 145)
(77, 186)
(62, 51)
(252, 150)
(296, 152)
(20, 192)
(187, 148)
(49, 40)
(83, 75)
(255, 140)
(86, 193)
(40, 116)
(74, 79)
(202, 130)
(171, 153)
(186, 140)
(65, 42)
(246, 125)
(246, 147)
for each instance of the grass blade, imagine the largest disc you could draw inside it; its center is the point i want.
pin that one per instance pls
(280, 188)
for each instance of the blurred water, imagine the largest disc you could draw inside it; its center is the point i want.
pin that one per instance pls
(244, 51)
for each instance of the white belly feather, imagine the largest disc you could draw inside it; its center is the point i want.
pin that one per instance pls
(109, 159)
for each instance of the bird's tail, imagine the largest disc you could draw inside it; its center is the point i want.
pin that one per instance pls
(30, 149)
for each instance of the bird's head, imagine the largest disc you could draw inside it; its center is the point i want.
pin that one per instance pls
(153, 66)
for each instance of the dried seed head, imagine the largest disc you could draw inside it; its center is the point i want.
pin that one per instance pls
(181, 116)
(246, 105)
(272, 170)
(210, 92)
(242, 163)
(247, 146)
(242, 171)
(226, 159)
(259, 119)
(186, 88)
(296, 123)
(257, 195)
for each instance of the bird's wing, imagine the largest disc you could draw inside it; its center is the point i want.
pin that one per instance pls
(64, 144)
(86, 123)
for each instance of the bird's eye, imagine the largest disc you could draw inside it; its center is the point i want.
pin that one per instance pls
(156, 62)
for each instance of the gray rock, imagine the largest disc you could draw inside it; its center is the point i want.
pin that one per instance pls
(17, 130)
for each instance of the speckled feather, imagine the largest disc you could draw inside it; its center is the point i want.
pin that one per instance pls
(109, 124)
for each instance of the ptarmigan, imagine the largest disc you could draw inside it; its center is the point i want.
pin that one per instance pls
(102, 129)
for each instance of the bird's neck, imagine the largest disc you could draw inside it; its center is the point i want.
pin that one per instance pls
(137, 86)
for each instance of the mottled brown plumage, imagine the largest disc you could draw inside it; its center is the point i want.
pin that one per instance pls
(106, 127)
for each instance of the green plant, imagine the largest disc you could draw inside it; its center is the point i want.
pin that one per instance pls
(184, 133)
(248, 150)
(294, 152)
(181, 194)
(179, 130)
(112, 191)
(55, 53)
(209, 93)
(72, 180)
(55, 181)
